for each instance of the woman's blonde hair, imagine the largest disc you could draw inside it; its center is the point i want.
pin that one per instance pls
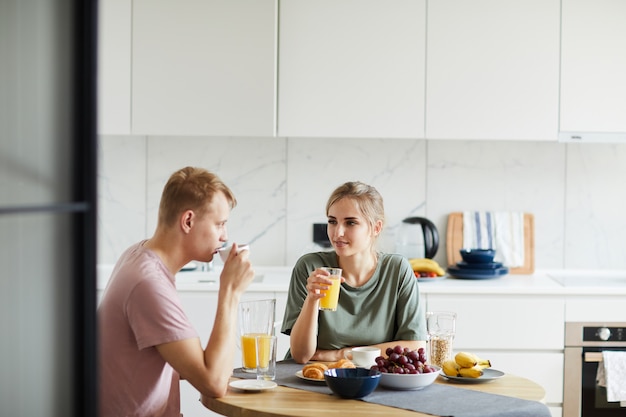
(367, 198)
(190, 188)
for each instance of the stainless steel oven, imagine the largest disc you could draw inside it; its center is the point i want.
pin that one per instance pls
(584, 343)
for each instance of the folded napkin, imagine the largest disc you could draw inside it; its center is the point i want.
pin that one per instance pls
(499, 230)
(612, 375)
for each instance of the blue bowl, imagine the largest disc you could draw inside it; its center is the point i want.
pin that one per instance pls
(352, 382)
(478, 256)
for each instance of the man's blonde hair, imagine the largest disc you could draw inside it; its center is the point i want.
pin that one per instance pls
(190, 188)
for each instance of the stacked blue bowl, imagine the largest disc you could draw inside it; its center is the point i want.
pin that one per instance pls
(478, 264)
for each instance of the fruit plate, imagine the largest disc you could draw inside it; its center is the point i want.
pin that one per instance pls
(301, 376)
(426, 279)
(477, 273)
(488, 376)
(253, 384)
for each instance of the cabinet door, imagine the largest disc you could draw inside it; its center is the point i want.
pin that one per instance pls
(200, 307)
(114, 25)
(351, 68)
(593, 68)
(492, 69)
(504, 321)
(283, 339)
(203, 67)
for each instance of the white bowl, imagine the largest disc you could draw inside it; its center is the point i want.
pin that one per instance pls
(409, 381)
(225, 251)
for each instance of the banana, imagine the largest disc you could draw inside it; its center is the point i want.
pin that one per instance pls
(423, 261)
(426, 265)
(484, 363)
(469, 360)
(473, 372)
(451, 368)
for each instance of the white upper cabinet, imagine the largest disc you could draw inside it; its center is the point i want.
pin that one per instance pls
(203, 67)
(114, 30)
(493, 69)
(593, 66)
(351, 68)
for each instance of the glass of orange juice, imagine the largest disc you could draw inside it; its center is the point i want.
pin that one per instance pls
(266, 357)
(256, 318)
(331, 297)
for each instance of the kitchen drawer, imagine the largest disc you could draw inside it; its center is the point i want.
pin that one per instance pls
(595, 308)
(504, 321)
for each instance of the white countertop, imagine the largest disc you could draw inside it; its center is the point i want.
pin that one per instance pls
(267, 279)
(549, 282)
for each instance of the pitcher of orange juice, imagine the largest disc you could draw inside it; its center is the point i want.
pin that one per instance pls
(256, 318)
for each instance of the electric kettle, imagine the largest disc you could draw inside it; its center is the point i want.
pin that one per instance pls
(417, 238)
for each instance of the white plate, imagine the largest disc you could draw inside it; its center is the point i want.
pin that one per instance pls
(426, 279)
(253, 384)
(301, 376)
(488, 375)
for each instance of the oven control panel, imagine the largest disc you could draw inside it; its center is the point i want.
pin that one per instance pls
(603, 334)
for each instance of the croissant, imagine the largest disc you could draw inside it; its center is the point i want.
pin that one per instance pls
(314, 370)
(342, 363)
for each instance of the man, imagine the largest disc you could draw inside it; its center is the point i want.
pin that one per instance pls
(146, 342)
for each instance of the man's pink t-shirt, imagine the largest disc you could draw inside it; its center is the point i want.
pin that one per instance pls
(140, 309)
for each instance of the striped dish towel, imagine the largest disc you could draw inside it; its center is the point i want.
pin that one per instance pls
(499, 230)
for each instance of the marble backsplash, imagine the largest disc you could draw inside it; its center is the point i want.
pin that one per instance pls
(577, 192)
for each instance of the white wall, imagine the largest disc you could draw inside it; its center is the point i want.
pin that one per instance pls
(577, 192)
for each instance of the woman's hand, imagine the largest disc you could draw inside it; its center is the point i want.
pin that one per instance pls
(303, 340)
(330, 355)
(318, 280)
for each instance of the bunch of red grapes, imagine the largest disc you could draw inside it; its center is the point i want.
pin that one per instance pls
(403, 361)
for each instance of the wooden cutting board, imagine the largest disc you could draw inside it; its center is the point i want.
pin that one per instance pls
(454, 242)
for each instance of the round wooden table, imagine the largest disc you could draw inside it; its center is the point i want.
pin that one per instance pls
(283, 401)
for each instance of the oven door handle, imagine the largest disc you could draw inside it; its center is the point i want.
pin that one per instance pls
(593, 356)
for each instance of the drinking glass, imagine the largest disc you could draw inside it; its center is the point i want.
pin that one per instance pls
(266, 357)
(331, 297)
(441, 327)
(256, 318)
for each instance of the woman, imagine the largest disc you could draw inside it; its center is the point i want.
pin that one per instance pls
(379, 298)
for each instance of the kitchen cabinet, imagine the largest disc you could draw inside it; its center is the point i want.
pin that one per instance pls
(519, 335)
(485, 69)
(203, 67)
(351, 68)
(114, 66)
(492, 69)
(593, 66)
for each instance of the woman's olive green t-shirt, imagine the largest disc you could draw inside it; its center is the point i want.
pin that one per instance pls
(386, 308)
